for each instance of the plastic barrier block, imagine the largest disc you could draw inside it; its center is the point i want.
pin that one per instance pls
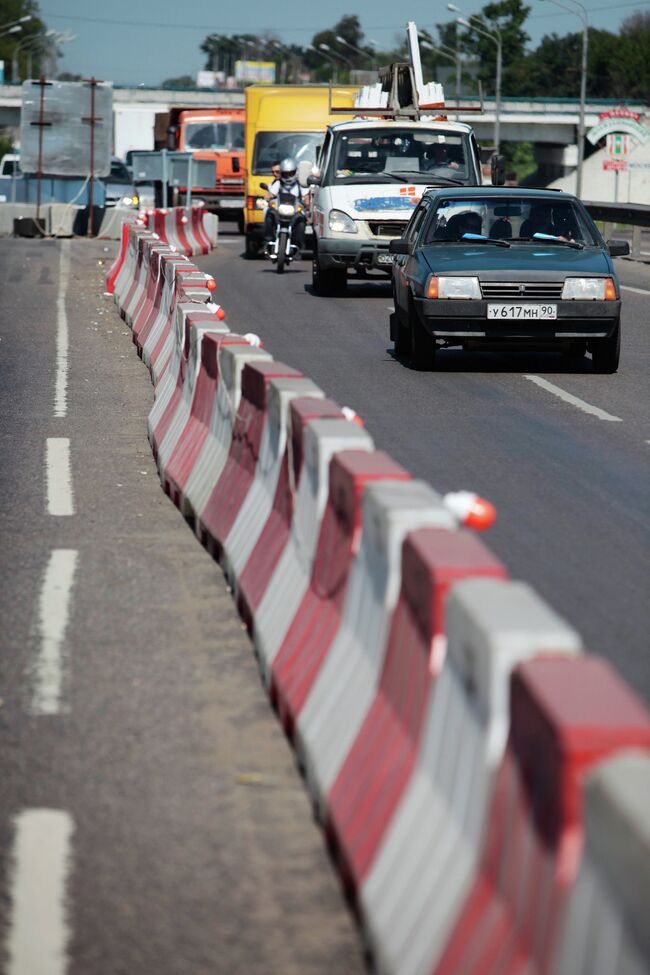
(567, 714)
(211, 460)
(282, 598)
(265, 555)
(377, 768)
(229, 492)
(342, 693)
(257, 505)
(429, 857)
(606, 926)
(317, 620)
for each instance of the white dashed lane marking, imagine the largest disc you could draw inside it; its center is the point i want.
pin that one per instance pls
(38, 932)
(637, 291)
(573, 400)
(46, 672)
(60, 496)
(61, 382)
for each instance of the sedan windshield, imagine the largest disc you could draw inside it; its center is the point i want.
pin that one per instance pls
(521, 219)
(401, 154)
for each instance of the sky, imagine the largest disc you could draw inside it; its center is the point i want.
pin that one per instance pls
(145, 41)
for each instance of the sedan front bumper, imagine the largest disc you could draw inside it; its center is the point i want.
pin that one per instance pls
(466, 319)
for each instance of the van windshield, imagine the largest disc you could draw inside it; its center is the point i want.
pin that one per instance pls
(220, 136)
(401, 154)
(273, 147)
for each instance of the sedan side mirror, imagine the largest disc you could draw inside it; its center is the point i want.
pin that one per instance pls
(399, 246)
(618, 248)
(498, 170)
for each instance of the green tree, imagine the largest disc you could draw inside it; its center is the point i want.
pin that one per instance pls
(31, 36)
(182, 81)
(508, 18)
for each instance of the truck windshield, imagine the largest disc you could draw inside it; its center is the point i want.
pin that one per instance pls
(272, 147)
(412, 155)
(221, 136)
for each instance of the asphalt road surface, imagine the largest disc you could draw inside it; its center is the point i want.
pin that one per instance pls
(151, 816)
(568, 475)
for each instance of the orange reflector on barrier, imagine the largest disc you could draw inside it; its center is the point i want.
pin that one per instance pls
(211, 284)
(352, 415)
(470, 509)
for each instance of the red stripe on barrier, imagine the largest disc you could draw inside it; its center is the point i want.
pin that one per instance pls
(230, 490)
(567, 715)
(268, 549)
(378, 767)
(316, 623)
(116, 267)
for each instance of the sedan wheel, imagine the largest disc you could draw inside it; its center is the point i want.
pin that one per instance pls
(422, 346)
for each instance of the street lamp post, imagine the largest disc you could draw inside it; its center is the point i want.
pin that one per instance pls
(495, 36)
(582, 14)
(323, 54)
(336, 54)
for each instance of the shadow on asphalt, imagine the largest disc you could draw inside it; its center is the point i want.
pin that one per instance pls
(455, 360)
(358, 289)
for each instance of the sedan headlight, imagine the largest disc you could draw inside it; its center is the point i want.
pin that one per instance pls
(589, 289)
(341, 223)
(461, 287)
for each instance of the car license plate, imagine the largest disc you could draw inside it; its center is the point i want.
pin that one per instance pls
(231, 201)
(523, 312)
(384, 259)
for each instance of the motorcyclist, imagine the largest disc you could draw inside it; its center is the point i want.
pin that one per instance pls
(287, 183)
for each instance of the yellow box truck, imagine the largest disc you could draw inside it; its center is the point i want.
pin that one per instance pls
(281, 121)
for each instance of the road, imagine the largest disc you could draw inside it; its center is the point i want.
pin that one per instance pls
(570, 487)
(152, 819)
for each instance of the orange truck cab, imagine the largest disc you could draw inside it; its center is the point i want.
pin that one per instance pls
(213, 133)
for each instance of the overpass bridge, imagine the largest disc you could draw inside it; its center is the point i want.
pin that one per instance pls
(550, 124)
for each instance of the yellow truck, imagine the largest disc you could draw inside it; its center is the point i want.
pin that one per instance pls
(281, 121)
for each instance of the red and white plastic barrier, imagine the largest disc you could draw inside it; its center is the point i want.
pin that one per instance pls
(472, 769)
(182, 228)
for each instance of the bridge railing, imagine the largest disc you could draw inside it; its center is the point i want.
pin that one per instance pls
(635, 215)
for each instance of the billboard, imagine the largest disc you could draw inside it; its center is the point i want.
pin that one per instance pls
(61, 111)
(259, 71)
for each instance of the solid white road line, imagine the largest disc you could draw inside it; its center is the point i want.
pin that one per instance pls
(60, 497)
(637, 291)
(573, 400)
(46, 671)
(61, 383)
(38, 932)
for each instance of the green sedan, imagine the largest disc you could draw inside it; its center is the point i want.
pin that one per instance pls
(502, 268)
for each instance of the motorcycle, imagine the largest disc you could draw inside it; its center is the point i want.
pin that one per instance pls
(288, 208)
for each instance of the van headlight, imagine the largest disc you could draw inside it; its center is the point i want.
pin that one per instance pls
(589, 289)
(341, 223)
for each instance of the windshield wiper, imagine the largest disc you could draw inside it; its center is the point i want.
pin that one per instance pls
(547, 239)
(499, 241)
(472, 239)
(409, 176)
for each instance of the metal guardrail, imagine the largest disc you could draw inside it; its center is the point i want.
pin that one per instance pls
(635, 215)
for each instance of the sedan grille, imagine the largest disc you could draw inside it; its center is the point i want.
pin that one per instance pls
(543, 290)
(382, 228)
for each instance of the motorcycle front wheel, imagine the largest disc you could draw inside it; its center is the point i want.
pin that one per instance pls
(282, 252)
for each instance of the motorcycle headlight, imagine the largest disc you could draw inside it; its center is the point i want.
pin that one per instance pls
(286, 210)
(128, 201)
(589, 289)
(447, 287)
(341, 223)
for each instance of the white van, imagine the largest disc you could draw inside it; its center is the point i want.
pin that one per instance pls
(371, 174)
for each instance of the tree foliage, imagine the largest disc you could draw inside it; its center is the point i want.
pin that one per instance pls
(12, 45)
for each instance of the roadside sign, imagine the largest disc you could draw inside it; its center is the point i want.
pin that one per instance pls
(618, 145)
(618, 165)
